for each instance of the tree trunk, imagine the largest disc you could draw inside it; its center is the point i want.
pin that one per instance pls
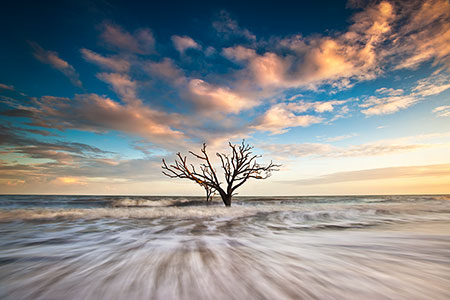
(226, 199)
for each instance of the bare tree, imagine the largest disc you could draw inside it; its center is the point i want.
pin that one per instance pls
(238, 167)
(210, 192)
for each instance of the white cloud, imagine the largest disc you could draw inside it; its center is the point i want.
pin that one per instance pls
(429, 86)
(280, 117)
(390, 91)
(442, 111)
(387, 105)
(432, 85)
(182, 43)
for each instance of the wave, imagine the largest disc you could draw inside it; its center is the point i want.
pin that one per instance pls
(164, 202)
(127, 212)
(252, 218)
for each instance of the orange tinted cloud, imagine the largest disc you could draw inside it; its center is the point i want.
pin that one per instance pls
(221, 99)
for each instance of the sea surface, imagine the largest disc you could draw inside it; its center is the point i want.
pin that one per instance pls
(133, 247)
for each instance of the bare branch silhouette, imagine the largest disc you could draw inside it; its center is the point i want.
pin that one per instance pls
(238, 167)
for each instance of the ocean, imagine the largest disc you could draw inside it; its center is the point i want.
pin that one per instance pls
(136, 247)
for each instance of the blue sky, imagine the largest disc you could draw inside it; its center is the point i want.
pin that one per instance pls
(351, 97)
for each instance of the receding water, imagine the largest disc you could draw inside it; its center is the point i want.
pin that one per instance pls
(86, 247)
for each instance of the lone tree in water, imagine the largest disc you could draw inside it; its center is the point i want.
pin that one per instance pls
(238, 168)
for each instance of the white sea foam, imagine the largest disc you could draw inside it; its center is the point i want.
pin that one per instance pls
(142, 202)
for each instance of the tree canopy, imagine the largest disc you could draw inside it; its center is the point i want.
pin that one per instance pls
(238, 167)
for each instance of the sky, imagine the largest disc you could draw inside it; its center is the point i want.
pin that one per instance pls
(351, 97)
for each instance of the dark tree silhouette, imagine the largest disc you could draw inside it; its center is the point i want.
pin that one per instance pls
(210, 192)
(238, 167)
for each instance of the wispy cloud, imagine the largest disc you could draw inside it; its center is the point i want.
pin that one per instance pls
(91, 112)
(6, 87)
(140, 42)
(57, 164)
(432, 85)
(387, 105)
(377, 148)
(425, 35)
(435, 171)
(229, 28)
(429, 86)
(341, 137)
(442, 111)
(51, 58)
(390, 91)
(281, 117)
(113, 63)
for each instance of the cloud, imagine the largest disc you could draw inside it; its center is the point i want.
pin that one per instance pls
(442, 111)
(91, 112)
(387, 105)
(239, 53)
(307, 62)
(326, 150)
(436, 171)
(182, 43)
(8, 127)
(378, 40)
(280, 117)
(341, 137)
(51, 58)
(140, 42)
(228, 28)
(221, 99)
(432, 85)
(390, 91)
(112, 63)
(6, 87)
(55, 162)
(320, 106)
(13, 141)
(166, 70)
(425, 35)
(429, 86)
(122, 85)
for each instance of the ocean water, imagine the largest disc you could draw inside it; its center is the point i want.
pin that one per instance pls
(105, 247)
